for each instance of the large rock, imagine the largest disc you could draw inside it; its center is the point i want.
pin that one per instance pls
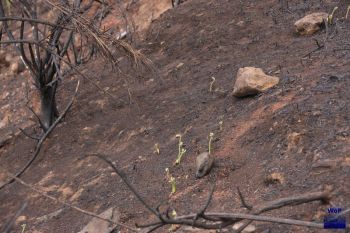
(251, 81)
(310, 23)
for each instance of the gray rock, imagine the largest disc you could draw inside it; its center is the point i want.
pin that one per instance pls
(204, 163)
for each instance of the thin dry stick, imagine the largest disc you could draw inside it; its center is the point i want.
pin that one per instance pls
(244, 203)
(8, 18)
(219, 220)
(43, 193)
(230, 216)
(123, 177)
(296, 200)
(42, 139)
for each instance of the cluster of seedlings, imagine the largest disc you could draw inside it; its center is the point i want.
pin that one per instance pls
(204, 161)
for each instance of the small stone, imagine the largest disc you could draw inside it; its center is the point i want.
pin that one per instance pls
(346, 162)
(8, 58)
(5, 94)
(17, 67)
(251, 81)
(310, 23)
(204, 163)
(248, 229)
(179, 65)
(20, 219)
(317, 113)
(240, 23)
(274, 178)
(293, 140)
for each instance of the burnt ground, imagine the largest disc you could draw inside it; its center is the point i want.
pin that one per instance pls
(299, 129)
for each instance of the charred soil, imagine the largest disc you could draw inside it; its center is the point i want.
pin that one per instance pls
(299, 129)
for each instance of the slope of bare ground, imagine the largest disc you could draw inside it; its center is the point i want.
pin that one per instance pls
(299, 129)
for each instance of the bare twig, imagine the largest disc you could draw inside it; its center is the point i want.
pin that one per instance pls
(123, 177)
(244, 203)
(255, 218)
(289, 201)
(8, 18)
(214, 220)
(43, 193)
(42, 139)
(28, 135)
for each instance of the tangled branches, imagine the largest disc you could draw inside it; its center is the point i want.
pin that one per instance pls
(50, 49)
(220, 220)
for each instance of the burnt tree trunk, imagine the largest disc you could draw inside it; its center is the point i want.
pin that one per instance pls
(48, 107)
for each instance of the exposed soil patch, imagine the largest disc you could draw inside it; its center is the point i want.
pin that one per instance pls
(293, 129)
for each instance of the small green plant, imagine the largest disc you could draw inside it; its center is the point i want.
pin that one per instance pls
(171, 180)
(156, 149)
(23, 227)
(173, 227)
(221, 125)
(173, 214)
(211, 84)
(211, 136)
(331, 16)
(347, 12)
(181, 150)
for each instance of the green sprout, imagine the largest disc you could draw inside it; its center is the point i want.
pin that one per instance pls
(156, 148)
(330, 17)
(173, 185)
(347, 12)
(171, 180)
(211, 84)
(173, 214)
(181, 150)
(211, 135)
(23, 227)
(221, 125)
(173, 227)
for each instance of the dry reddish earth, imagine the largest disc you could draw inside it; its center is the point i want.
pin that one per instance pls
(291, 129)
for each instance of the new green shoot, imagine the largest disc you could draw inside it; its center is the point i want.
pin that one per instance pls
(156, 148)
(173, 184)
(347, 12)
(211, 136)
(173, 227)
(211, 84)
(331, 16)
(23, 227)
(181, 150)
(171, 180)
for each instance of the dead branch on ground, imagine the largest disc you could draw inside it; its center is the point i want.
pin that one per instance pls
(220, 220)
